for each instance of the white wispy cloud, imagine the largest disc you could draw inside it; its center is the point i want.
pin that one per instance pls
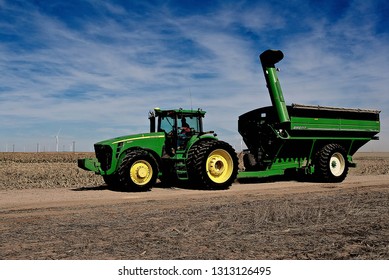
(100, 78)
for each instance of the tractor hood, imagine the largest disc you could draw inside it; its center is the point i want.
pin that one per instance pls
(134, 138)
(110, 151)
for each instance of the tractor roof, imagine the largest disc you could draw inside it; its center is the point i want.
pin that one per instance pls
(160, 112)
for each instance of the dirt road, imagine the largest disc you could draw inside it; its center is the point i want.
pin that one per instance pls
(273, 220)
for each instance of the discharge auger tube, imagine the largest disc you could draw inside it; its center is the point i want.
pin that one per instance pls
(268, 60)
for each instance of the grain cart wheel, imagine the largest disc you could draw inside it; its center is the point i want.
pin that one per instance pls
(213, 164)
(138, 171)
(332, 163)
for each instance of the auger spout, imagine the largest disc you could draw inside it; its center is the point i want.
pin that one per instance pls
(268, 60)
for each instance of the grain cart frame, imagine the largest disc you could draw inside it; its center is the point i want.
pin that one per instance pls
(311, 139)
(176, 150)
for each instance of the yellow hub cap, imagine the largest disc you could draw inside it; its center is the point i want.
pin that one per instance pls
(141, 172)
(219, 166)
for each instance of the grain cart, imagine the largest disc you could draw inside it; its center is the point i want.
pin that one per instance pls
(311, 139)
(175, 150)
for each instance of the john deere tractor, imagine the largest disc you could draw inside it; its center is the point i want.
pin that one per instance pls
(176, 150)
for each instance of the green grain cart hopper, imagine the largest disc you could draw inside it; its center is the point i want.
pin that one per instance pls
(314, 140)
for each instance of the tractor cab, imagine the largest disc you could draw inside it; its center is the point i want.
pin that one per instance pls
(178, 125)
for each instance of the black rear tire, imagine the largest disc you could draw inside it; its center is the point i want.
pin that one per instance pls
(111, 180)
(138, 171)
(212, 165)
(331, 163)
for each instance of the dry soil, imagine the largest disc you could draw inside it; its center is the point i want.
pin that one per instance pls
(50, 209)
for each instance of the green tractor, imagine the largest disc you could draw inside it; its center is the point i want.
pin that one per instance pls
(176, 150)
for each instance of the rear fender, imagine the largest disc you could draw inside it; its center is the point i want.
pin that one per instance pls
(196, 139)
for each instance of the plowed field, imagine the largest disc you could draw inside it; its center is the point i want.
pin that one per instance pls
(50, 209)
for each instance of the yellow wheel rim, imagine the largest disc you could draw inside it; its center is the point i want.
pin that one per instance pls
(337, 164)
(141, 172)
(219, 166)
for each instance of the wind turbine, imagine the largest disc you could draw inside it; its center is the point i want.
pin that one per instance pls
(57, 139)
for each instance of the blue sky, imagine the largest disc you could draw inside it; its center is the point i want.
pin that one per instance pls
(93, 69)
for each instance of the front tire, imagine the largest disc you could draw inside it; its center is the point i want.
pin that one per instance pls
(213, 165)
(332, 165)
(138, 171)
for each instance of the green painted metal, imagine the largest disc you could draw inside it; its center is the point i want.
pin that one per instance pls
(268, 60)
(89, 164)
(302, 123)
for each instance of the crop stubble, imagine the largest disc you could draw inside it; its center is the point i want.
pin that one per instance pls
(44, 170)
(59, 170)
